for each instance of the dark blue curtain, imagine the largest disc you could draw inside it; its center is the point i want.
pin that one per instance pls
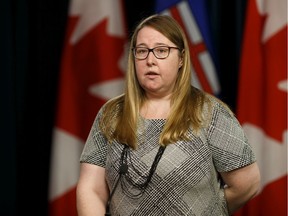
(226, 23)
(31, 41)
(8, 112)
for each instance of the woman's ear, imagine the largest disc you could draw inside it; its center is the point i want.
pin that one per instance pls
(181, 59)
(180, 62)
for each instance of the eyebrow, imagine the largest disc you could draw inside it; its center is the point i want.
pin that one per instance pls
(157, 44)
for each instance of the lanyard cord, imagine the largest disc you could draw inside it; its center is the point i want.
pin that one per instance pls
(146, 179)
(122, 170)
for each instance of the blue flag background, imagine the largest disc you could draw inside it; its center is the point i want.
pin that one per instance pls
(192, 16)
(200, 12)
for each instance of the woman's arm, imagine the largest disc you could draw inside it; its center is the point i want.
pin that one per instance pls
(92, 191)
(242, 185)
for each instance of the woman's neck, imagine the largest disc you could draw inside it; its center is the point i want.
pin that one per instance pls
(156, 108)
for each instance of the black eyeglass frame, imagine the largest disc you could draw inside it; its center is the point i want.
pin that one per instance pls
(152, 50)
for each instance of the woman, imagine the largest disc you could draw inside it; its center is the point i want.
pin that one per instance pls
(164, 147)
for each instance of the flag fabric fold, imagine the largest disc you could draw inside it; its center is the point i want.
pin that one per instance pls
(92, 71)
(262, 102)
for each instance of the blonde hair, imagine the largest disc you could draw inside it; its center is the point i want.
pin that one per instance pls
(122, 113)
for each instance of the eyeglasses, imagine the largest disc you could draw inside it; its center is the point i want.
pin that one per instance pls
(160, 52)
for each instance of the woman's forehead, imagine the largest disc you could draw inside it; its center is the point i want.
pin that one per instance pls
(148, 35)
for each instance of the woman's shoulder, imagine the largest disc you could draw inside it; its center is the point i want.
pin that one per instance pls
(113, 103)
(218, 105)
(214, 108)
(115, 100)
(110, 106)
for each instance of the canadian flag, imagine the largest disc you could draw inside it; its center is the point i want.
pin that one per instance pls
(262, 102)
(92, 72)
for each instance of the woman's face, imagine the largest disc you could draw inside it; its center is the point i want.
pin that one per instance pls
(157, 76)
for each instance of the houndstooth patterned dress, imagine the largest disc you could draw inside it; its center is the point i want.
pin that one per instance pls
(186, 180)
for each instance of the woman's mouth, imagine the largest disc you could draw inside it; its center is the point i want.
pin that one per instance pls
(151, 74)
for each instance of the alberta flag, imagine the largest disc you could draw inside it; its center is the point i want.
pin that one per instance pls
(92, 72)
(192, 16)
(262, 102)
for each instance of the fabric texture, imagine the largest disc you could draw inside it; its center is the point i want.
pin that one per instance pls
(186, 180)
